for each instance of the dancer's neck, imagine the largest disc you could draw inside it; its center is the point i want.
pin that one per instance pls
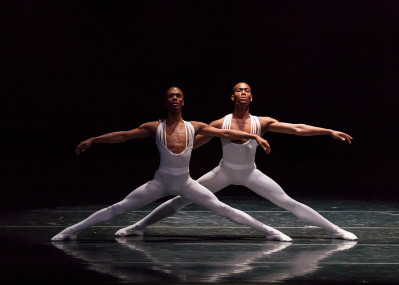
(174, 118)
(241, 112)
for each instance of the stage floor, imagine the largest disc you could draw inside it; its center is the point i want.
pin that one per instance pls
(197, 246)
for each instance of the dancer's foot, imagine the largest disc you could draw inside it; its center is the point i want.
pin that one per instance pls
(64, 235)
(129, 231)
(279, 237)
(343, 244)
(342, 234)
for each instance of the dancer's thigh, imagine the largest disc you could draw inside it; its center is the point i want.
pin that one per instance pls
(266, 187)
(201, 196)
(215, 179)
(143, 195)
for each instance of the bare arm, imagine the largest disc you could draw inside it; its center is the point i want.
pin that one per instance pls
(201, 139)
(145, 130)
(273, 125)
(204, 129)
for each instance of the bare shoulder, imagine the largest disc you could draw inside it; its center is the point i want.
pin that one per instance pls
(150, 127)
(265, 122)
(263, 119)
(198, 125)
(217, 123)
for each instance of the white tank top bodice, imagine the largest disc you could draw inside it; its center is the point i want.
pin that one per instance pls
(240, 156)
(174, 163)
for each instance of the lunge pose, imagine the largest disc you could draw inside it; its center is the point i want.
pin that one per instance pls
(174, 139)
(238, 166)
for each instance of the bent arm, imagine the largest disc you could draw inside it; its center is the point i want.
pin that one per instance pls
(305, 130)
(201, 139)
(225, 133)
(142, 131)
(228, 134)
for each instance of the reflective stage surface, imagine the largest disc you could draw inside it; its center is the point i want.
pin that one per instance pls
(197, 246)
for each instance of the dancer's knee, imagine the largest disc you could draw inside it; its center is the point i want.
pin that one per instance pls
(177, 204)
(292, 205)
(117, 209)
(285, 202)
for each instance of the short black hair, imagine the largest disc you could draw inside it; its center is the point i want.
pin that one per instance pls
(234, 87)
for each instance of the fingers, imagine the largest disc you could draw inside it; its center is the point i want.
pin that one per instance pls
(349, 139)
(343, 137)
(346, 137)
(80, 148)
(266, 147)
(77, 150)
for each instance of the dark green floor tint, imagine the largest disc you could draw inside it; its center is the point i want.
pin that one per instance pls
(197, 246)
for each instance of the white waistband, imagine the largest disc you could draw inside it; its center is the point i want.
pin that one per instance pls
(238, 166)
(173, 170)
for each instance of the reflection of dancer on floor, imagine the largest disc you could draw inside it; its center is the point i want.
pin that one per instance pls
(242, 257)
(244, 260)
(174, 139)
(238, 166)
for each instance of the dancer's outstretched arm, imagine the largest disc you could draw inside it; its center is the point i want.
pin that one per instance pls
(145, 130)
(272, 125)
(204, 129)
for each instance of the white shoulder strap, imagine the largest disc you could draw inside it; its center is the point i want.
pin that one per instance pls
(255, 126)
(190, 133)
(161, 133)
(227, 121)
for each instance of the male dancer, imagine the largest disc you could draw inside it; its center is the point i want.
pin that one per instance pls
(238, 166)
(174, 139)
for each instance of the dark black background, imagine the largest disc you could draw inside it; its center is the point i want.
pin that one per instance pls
(72, 70)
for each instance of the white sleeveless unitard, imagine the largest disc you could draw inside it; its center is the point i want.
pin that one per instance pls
(240, 156)
(172, 163)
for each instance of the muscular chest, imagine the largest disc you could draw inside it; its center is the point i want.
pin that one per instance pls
(176, 139)
(241, 125)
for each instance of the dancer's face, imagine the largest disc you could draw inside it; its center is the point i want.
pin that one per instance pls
(242, 94)
(174, 99)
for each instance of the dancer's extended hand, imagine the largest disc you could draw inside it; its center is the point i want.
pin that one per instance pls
(83, 146)
(263, 144)
(341, 136)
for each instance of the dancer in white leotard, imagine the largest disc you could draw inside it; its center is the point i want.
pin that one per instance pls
(174, 139)
(238, 167)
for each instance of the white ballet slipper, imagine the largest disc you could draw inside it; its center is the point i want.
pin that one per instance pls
(342, 234)
(279, 237)
(64, 236)
(129, 231)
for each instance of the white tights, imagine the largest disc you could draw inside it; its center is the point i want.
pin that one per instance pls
(163, 185)
(252, 178)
